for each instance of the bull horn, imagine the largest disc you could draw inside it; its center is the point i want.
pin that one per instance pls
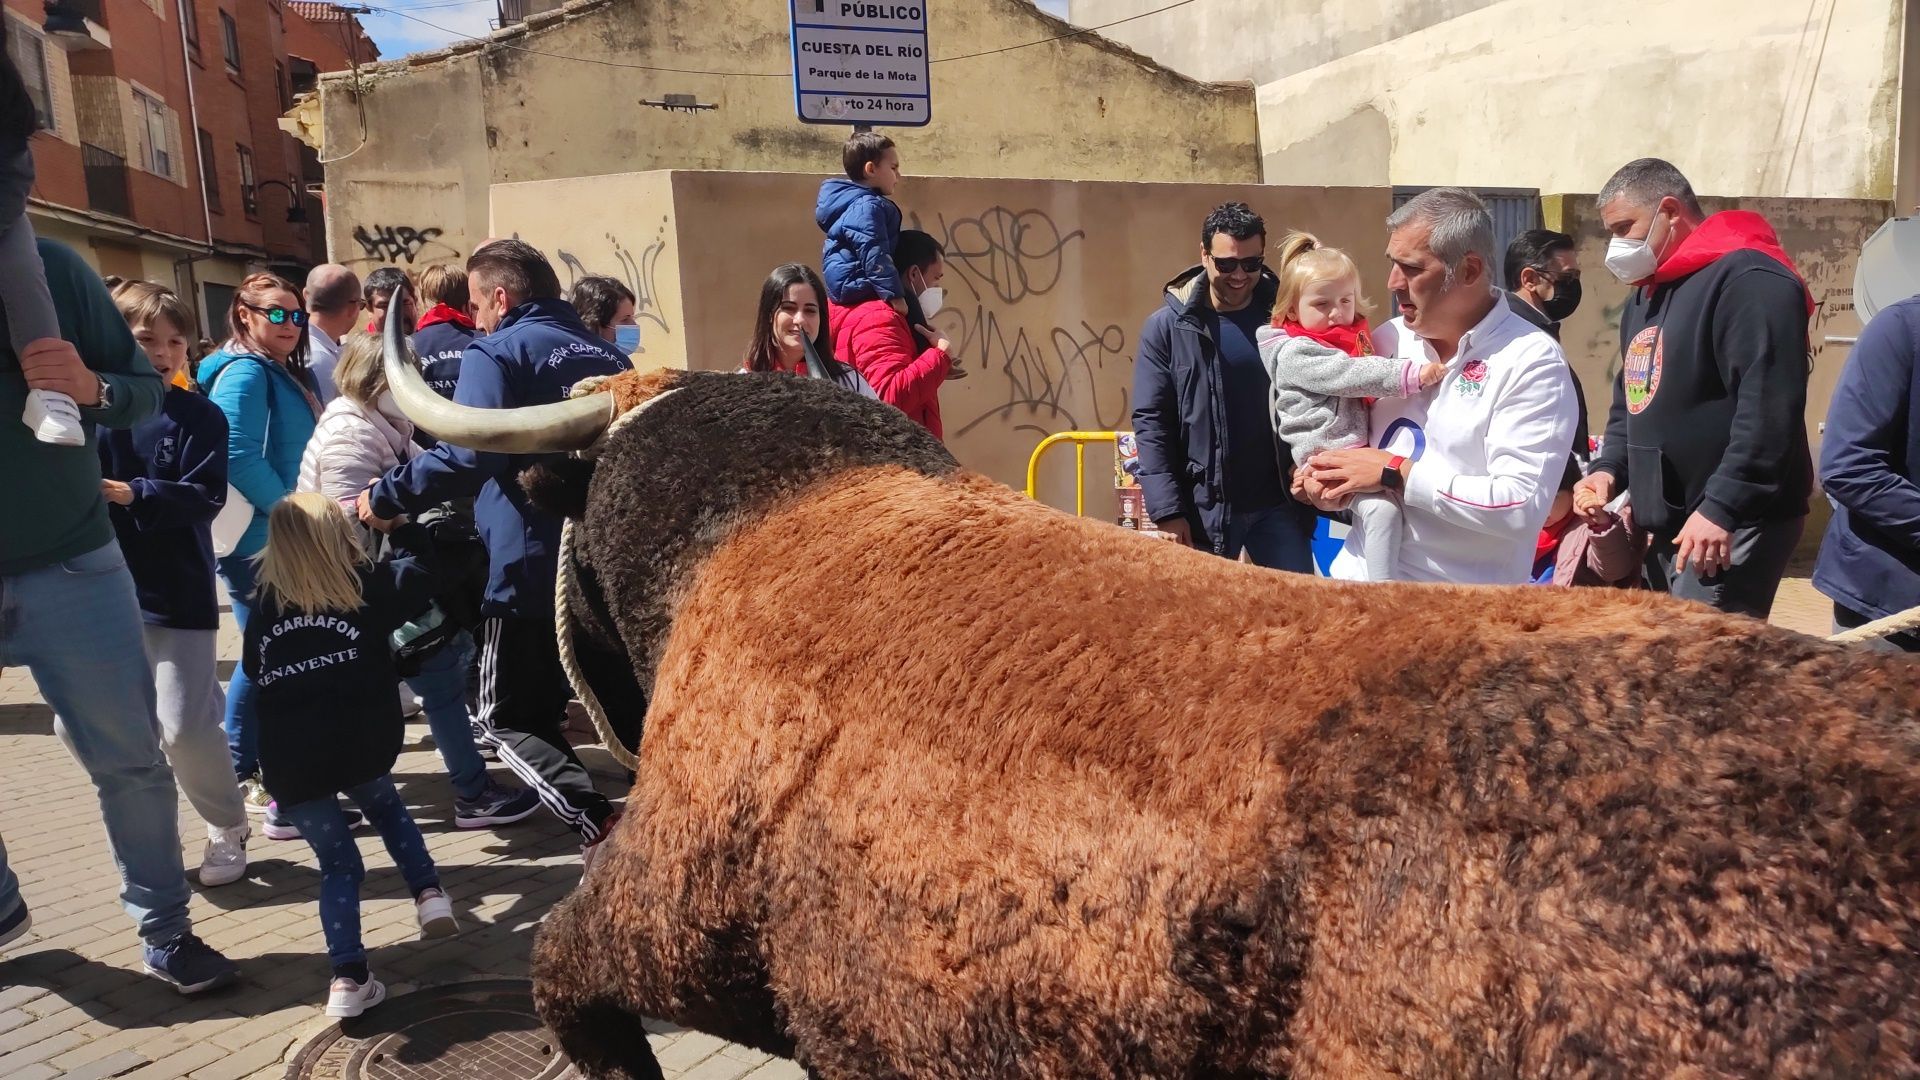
(531, 429)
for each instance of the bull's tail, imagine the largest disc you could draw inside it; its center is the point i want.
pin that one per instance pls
(580, 998)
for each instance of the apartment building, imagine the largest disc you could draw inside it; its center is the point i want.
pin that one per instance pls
(160, 155)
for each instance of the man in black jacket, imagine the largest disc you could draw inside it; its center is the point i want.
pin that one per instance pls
(1210, 466)
(1543, 287)
(1708, 430)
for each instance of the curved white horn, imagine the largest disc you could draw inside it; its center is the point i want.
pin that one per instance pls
(531, 429)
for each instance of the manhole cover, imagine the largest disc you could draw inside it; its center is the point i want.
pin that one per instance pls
(471, 1031)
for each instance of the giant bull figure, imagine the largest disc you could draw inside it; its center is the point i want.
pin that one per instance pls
(938, 782)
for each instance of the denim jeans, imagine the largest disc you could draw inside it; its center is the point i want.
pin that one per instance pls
(442, 686)
(76, 627)
(1280, 538)
(323, 825)
(243, 730)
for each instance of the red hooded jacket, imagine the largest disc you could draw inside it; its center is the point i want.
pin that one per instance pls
(876, 340)
(1723, 234)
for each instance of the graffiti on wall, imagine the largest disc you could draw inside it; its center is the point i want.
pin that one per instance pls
(638, 269)
(1043, 373)
(407, 244)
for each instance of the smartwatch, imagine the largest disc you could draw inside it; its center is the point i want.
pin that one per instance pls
(1390, 478)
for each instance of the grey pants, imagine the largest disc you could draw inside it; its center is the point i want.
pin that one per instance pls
(1377, 515)
(1760, 556)
(191, 708)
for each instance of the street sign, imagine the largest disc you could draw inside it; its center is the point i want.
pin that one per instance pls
(861, 62)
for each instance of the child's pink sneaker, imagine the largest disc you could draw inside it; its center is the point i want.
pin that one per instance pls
(436, 915)
(346, 998)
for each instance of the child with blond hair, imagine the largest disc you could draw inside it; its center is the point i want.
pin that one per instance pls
(1319, 356)
(317, 648)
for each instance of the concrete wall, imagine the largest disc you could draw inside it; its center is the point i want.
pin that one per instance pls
(439, 127)
(1047, 282)
(1770, 99)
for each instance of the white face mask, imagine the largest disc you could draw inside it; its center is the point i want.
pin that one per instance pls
(932, 299)
(1634, 261)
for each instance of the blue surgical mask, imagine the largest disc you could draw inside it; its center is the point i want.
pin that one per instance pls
(627, 338)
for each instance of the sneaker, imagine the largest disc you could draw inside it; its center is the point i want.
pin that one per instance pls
(190, 965)
(281, 828)
(435, 912)
(497, 805)
(225, 859)
(15, 926)
(347, 999)
(483, 740)
(254, 794)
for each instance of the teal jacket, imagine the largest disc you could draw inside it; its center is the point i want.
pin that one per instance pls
(269, 420)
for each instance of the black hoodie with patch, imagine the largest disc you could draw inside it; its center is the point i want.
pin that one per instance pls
(1709, 410)
(328, 712)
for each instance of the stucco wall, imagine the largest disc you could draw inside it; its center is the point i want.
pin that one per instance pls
(515, 110)
(1047, 282)
(1750, 99)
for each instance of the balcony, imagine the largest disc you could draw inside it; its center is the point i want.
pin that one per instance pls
(107, 189)
(77, 25)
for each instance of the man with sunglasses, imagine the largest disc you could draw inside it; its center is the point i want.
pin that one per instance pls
(1543, 287)
(1210, 466)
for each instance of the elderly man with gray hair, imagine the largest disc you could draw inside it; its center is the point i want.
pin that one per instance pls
(1477, 459)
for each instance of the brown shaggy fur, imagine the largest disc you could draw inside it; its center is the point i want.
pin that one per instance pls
(938, 782)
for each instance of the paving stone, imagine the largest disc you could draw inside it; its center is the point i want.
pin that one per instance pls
(197, 1056)
(115, 1064)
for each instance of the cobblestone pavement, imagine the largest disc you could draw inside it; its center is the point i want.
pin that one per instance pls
(73, 1002)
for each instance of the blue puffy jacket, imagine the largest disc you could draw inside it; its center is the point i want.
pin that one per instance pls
(533, 357)
(269, 420)
(1870, 467)
(862, 227)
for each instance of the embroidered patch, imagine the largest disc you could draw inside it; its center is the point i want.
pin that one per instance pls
(1472, 380)
(1641, 371)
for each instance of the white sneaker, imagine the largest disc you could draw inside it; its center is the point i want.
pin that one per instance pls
(436, 915)
(225, 859)
(346, 998)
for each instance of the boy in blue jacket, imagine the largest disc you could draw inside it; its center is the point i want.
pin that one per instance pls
(862, 225)
(164, 480)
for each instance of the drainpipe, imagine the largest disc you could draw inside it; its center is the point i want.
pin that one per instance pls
(193, 117)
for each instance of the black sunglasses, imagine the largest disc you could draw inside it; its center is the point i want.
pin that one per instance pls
(279, 315)
(1251, 264)
(1556, 276)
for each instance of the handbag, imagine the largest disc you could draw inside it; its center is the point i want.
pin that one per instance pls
(231, 523)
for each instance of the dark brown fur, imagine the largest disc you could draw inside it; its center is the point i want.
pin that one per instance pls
(937, 782)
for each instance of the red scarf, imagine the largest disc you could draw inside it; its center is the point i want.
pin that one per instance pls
(1551, 534)
(440, 313)
(1353, 340)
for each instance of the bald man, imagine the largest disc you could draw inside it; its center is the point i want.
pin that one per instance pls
(333, 307)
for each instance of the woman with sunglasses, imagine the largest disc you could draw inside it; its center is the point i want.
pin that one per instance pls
(259, 379)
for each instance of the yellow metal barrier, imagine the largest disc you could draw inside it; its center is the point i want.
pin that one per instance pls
(1079, 439)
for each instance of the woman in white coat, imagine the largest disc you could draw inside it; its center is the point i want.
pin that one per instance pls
(361, 436)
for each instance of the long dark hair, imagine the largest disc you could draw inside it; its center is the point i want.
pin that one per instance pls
(254, 291)
(762, 353)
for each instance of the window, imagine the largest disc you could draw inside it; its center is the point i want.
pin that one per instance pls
(158, 160)
(249, 198)
(230, 40)
(209, 171)
(28, 50)
(280, 86)
(190, 21)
